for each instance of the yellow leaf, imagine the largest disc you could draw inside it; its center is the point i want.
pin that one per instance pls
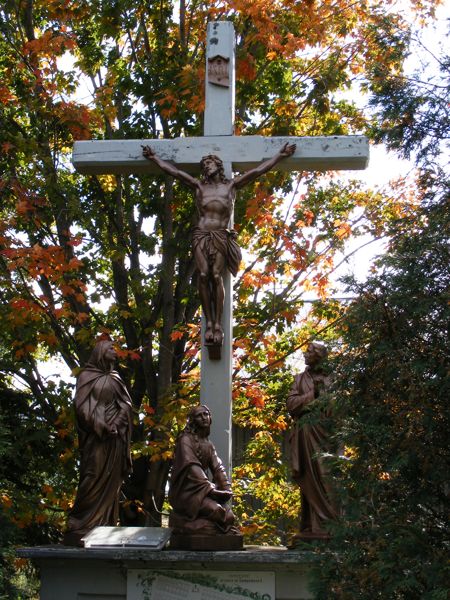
(108, 183)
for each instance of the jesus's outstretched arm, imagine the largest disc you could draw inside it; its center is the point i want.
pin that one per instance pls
(169, 168)
(249, 176)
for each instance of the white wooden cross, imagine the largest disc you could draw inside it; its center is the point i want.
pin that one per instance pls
(238, 154)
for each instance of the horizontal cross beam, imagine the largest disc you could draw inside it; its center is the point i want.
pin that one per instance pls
(330, 153)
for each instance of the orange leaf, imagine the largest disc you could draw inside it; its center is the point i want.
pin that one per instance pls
(176, 335)
(343, 231)
(6, 147)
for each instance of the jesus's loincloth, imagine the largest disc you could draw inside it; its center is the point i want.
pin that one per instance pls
(222, 241)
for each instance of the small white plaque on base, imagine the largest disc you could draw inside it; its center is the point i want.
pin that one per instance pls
(148, 537)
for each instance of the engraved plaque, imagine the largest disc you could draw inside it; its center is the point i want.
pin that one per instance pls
(148, 537)
(219, 71)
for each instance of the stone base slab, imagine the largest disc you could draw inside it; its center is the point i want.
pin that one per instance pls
(103, 573)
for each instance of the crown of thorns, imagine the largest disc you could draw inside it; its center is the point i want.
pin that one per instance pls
(213, 157)
(218, 162)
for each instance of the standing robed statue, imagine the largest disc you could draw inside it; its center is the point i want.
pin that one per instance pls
(308, 444)
(104, 420)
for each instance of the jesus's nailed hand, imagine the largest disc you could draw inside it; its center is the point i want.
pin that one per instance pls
(148, 152)
(288, 149)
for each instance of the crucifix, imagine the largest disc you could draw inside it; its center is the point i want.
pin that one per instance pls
(237, 153)
(213, 243)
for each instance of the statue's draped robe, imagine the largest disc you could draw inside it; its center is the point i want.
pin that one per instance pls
(307, 442)
(101, 400)
(189, 484)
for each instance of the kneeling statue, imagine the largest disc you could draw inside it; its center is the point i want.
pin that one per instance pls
(201, 518)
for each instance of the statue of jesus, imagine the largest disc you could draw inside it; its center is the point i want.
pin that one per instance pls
(213, 243)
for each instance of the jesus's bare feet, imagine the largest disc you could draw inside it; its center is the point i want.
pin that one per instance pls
(209, 333)
(218, 334)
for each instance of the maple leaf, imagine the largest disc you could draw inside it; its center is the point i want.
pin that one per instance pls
(246, 69)
(7, 147)
(6, 501)
(6, 96)
(176, 335)
(343, 229)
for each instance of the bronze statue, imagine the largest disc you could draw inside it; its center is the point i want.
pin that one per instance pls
(214, 244)
(199, 505)
(308, 442)
(104, 421)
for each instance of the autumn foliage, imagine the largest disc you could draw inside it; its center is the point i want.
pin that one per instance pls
(81, 255)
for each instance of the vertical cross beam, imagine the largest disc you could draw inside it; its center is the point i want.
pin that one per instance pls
(215, 385)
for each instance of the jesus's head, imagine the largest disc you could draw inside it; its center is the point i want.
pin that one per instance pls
(211, 165)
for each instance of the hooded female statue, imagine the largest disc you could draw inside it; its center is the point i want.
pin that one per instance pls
(104, 420)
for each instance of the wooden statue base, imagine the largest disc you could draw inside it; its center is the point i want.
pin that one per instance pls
(73, 539)
(214, 351)
(206, 542)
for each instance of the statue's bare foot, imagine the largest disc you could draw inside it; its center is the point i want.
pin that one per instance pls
(218, 334)
(209, 333)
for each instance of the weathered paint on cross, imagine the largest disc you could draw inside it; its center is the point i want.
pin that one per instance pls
(321, 153)
(238, 154)
(216, 375)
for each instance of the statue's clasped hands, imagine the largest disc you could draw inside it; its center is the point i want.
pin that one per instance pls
(221, 496)
(112, 430)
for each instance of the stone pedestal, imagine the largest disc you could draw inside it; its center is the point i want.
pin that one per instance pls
(112, 573)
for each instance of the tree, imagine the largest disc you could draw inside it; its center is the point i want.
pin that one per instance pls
(391, 415)
(34, 484)
(390, 401)
(411, 109)
(82, 255)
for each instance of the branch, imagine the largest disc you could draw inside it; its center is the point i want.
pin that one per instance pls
(292, 351)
